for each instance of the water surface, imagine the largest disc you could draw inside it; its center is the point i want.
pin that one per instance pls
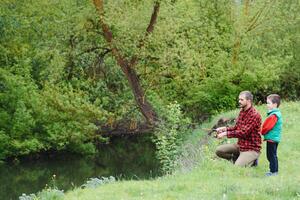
(123, 158)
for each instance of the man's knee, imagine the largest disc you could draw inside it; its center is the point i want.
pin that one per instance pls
(241, 163)
(223, 152)
(246, 158)
(219, 151)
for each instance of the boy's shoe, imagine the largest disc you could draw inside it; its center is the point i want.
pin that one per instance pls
(271, 173)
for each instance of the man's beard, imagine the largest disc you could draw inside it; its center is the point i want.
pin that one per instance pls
(242, 106)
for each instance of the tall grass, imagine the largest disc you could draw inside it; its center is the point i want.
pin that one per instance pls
(202, 175)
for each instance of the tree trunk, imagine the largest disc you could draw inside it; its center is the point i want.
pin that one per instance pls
(128, 66)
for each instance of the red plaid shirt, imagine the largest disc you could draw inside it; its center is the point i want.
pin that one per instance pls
(247, 130)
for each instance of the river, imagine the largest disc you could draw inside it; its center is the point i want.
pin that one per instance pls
(124, 158)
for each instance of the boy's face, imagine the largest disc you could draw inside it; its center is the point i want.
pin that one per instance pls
(271, 105)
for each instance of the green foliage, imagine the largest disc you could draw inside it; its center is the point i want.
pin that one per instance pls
(53, 193)
(68, 118)
(17, 121)
(49, 193)
(169, 135)
(96, 182)
(58, 75)
(290, 76)
(53, 118)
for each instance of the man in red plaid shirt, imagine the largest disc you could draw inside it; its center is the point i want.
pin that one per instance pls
(247, 130)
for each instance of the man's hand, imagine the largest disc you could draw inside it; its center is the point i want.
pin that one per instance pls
(221, 129)
(221, 135)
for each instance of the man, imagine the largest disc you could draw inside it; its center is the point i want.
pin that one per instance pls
(247, 130)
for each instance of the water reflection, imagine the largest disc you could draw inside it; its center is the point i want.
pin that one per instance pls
(125, 158)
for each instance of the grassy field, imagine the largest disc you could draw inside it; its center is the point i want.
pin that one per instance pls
(203, 176)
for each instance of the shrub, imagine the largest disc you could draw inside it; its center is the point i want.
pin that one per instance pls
(169, 135)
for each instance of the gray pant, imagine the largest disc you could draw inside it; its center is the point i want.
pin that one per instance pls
(232, 153)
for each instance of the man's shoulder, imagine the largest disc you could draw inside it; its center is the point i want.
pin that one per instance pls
(255, 113)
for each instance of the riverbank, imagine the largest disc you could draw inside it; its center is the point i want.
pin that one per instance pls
(203, 176)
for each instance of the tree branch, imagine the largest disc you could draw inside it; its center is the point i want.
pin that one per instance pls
(126, 65)
(108, 36)
(254, 21)
(151, 24)
(153, 19)
(149, 30)
(91, 49)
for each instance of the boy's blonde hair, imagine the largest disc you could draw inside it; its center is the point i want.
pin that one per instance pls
(274, 98)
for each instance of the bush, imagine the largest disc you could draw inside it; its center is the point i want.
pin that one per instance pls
(34, 120)
(96, 182)
(169, 135)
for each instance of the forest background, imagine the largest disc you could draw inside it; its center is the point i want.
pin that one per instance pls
(73, 71)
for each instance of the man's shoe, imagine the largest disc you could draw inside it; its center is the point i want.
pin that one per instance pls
(271, 173)
(255, 163)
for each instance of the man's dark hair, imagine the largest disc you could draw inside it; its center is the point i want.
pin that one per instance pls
(248, 95)
(274, 98)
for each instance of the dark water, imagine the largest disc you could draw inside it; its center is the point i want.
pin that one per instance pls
(124, 158)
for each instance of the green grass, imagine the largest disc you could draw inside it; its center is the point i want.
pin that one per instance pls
(203, 176)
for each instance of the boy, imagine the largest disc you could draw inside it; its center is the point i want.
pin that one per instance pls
(271, 130)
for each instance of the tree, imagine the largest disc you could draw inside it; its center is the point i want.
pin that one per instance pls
(127, 65)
